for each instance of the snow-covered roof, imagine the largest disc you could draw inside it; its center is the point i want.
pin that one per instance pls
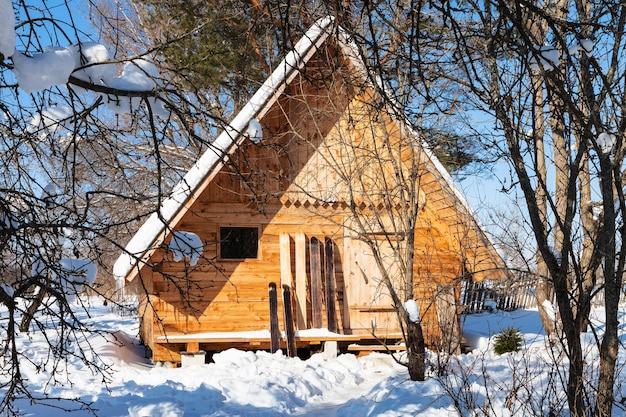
(140, 246)
(147, 238)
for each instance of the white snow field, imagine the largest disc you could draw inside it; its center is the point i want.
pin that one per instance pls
(244, 383)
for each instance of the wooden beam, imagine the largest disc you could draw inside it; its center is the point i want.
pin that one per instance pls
(285, 260)
(378, 347)
(237, 337)
(192, 347)
(316, 283)
(329, 273)
(286, 280)
(301, 280)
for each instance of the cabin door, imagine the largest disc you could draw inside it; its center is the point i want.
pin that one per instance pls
(367, 297)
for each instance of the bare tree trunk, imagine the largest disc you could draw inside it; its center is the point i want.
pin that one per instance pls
(416, 346)
(612, 292)
(576, 395)
(543, 294)
(561, 166)
(416, 351)
(31, 310)
(537, 29)
(543, 283)
(590, 259)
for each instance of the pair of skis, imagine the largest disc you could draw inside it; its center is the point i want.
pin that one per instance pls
(290, 330)
(316, 298)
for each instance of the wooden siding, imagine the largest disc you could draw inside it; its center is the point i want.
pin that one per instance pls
(328, 154)
(231, 296)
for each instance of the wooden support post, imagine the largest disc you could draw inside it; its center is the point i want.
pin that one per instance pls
(289, 327)
(329, 272)
(316, 284)
(286, 280)
(274, 330)
(192, 347)
(301, 280)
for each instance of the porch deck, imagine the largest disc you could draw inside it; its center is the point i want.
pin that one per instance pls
(313, 339)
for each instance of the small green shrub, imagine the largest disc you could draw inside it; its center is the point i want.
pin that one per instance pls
(508, 340)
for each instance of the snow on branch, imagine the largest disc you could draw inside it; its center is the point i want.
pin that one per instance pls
(255, 131)
(186, 245)
(544, 58)
(547, 58)
(74, 274)
(606, 142)
(55, 118)
(7, 29)
(90, 63)
(51, 67)
(86, 66)
(69, 274)
(584, 45)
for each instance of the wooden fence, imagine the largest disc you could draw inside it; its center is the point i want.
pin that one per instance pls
(489, 295)
(506, 295)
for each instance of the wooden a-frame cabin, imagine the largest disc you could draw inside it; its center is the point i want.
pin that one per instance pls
(301, 208)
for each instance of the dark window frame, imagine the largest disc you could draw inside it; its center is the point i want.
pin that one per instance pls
(236, 252)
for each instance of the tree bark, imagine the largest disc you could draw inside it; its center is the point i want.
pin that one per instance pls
(543, 283)
(612, 292)
(576, 396)
(416, 351)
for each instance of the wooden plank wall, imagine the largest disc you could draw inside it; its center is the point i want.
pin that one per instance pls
(229, 296)
(287, 187)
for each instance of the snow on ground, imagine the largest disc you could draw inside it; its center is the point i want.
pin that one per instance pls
(258, 384)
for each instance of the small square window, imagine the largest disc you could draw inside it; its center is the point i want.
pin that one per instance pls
(239, 242)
